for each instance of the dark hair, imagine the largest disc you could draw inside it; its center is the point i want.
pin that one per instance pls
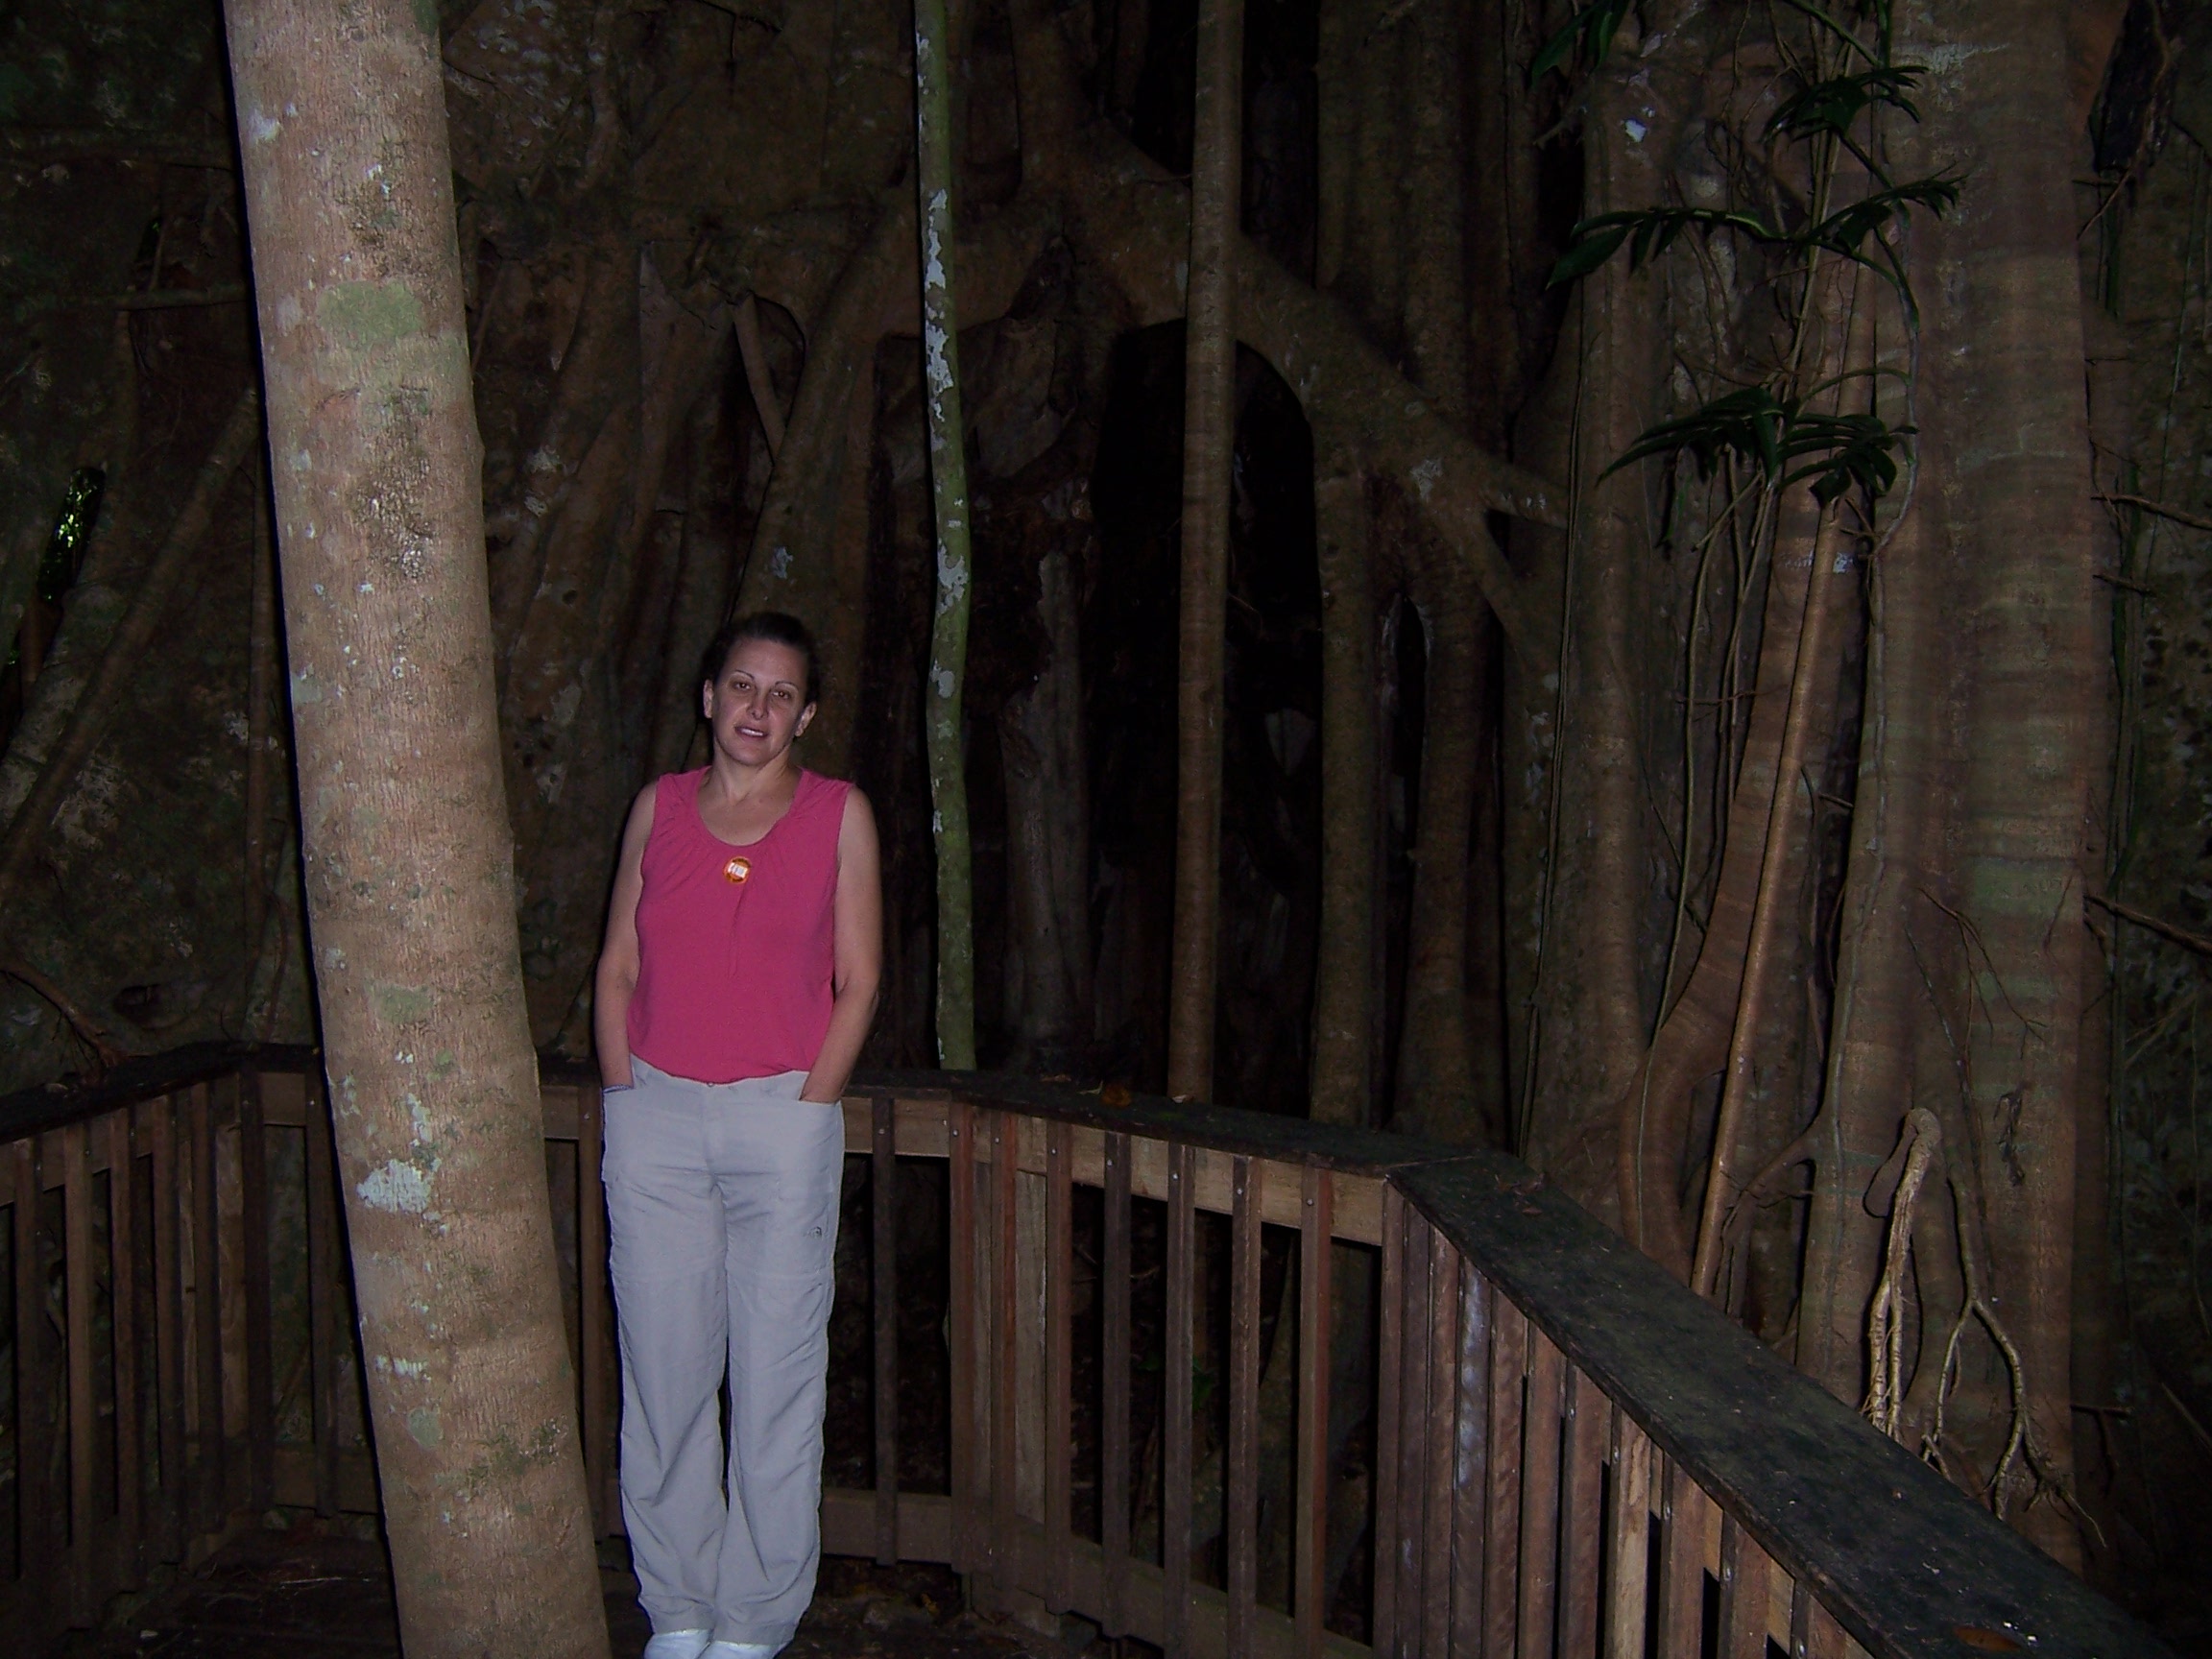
(777, 626)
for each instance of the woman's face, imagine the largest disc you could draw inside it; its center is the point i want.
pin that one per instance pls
(757, 708)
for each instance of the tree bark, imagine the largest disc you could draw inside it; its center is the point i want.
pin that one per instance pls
(1344, 978)
(1966, 874)
(1209, 437)
(1435, 1082)
(411, 899)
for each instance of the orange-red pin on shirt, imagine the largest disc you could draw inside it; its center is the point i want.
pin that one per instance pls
(737, 870)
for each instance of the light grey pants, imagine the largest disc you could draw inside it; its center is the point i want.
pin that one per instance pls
(722, 1212)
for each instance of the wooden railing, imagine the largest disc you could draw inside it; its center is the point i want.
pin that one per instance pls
(1542, 1448)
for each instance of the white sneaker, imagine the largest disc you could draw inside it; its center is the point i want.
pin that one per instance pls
(739, 1651)
(678, 1645)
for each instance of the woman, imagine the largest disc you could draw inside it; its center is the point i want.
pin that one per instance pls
(736, 987)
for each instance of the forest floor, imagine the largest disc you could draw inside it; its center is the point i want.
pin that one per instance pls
(310, 1593)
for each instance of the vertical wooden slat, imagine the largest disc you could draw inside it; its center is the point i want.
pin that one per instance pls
(253, 1265)
(595, 1311)
(168, 1327)
(1175, 1460)
(1583, 1524)
(1681, 1568)
(883, 1294)
(33, 1419)
(1628, 1540)
(1059, 1367)
(1813, 1632)
(1502, 1550)
(1413, 1434)
(1443, 1446)
(327, 1289)
(964, 1374)
(1744, 1584)
(1540, 1495)
(1314, 1306)
(1471, 1464)
(77, 1276)
(209, 1487)
(1114, 1472)
(125, 1250)
(1389, 1319)
(1240, 1513)
(1006, 1330)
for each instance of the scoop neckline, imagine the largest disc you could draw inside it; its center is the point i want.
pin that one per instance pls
(699, 818)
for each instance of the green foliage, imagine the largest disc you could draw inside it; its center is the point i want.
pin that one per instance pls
(1767, 433)
(1590, 30)
(1768, 430)
(1649, 233)
(1831, 108)
(72, 529)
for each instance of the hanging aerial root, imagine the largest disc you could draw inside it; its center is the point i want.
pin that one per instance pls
(87, 1032)
(1897, 1187)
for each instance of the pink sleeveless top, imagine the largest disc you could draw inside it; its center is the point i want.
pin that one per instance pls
(737, 944)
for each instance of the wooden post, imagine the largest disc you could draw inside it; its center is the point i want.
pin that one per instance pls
(1581, 1526)
(34, 1410)
(1006, 1334)
(76, 1283)
(169, 1327)
(325, 1288)
(1175, 1431)
(1436, 1528)
(1241, 1507)
(595, 1336)
(1744, 1569)
(1501, 1554)
(1471, 1469)
(1113, 1471)
(883, 1297)
(210, 1484)
(1628, 1523)
(1681, 1567)
(1059, 1367)
(1389, 1385)
(124, 1251)
(253, 1262)
(965, 1375)
(1540, 1495)
(1414, 1428)
(1314, 1310)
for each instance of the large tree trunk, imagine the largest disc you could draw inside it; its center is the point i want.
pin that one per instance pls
(1966, 872)
(411, 900)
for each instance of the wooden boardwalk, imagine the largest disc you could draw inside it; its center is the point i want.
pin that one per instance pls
(308, 1595)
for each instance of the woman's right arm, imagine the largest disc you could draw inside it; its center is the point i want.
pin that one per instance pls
(617, 981)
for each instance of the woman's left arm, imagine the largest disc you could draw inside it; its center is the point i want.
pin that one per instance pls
(854, 980)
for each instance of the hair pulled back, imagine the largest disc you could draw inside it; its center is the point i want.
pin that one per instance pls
(776, 626)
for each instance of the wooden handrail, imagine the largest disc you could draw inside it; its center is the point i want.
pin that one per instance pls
(1569, 1450)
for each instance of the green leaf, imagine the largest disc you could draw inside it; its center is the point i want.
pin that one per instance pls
(1648, 232)
(1828, 22)
(1592, 28)
(1847, 229)
(1833, 105)
(1770, 434)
